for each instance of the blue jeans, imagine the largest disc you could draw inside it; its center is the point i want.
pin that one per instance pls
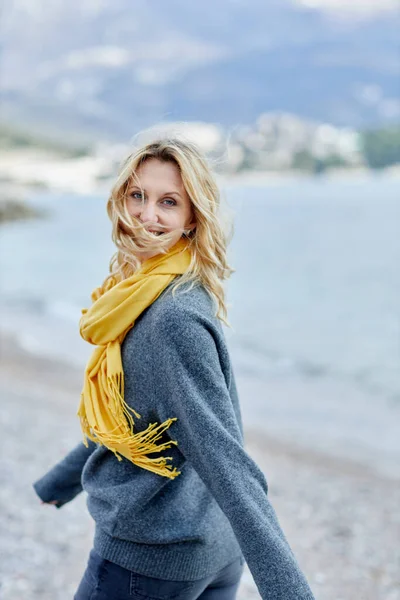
(104, 580)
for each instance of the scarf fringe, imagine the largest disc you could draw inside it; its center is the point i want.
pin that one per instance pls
(139, 444)
(105, 417)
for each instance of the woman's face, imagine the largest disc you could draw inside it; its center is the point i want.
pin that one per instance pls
(166, 206)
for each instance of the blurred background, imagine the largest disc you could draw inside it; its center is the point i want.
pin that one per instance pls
(297, 105)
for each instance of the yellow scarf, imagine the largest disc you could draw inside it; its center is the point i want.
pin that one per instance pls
(103, 412)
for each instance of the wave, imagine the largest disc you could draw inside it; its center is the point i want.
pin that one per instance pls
(255, 359)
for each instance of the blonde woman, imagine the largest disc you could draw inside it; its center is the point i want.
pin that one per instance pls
(177, 502)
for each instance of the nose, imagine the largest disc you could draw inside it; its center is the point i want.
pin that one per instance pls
(148, 212)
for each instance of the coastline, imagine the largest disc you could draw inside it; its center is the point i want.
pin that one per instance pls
(340, 517)
(272, 178)
(27, 170)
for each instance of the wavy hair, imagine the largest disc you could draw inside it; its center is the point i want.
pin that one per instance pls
(207, 242)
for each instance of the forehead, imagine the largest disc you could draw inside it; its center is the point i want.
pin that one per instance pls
(156, 174)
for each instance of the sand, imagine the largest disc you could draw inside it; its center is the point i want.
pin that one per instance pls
(341, 517)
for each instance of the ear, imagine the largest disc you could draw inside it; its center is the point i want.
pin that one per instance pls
(192, 215)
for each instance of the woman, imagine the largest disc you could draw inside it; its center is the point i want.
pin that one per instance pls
(177, 526)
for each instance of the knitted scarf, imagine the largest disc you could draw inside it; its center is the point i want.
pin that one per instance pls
(104, 415)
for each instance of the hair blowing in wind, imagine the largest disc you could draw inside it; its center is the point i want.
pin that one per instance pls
(207, 242)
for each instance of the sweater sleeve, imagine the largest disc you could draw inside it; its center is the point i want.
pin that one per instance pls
(63, 481)
(189, 379)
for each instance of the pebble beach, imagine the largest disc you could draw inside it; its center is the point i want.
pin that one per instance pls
(341, 518)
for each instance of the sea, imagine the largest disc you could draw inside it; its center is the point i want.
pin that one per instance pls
(314, 302)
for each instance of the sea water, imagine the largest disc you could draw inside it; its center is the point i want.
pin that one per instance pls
(314, 303)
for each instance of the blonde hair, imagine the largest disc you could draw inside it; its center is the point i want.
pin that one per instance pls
(208, 242)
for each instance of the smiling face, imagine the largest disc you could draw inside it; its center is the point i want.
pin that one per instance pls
(165, 205)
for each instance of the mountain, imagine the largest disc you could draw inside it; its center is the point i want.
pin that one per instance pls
(96, 67)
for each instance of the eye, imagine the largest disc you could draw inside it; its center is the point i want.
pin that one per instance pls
(136, 195)
(170, 201)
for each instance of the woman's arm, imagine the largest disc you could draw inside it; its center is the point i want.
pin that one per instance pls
(63, 482)
(190, 385)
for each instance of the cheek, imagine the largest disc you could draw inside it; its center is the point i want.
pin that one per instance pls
(131, 207)
(181, 218)
(174, 221)
(170, 219)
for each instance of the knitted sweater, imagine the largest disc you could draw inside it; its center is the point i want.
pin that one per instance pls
(176, 364)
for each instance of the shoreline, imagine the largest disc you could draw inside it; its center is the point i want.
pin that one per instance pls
(271, 178)
(271, 417)
(340, 517)
(64, 379)
(27, 170)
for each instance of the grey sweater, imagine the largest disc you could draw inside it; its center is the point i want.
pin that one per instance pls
(176, 364)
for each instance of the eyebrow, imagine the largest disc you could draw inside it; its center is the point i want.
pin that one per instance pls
(136, 187)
